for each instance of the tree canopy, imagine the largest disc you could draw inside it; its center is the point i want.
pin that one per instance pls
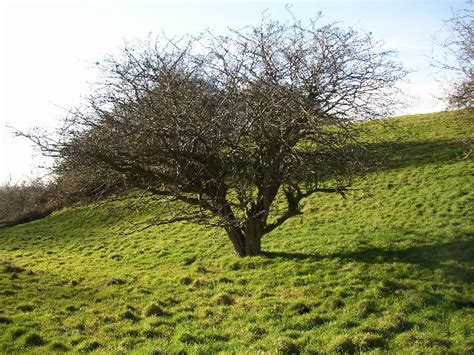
(220, 127)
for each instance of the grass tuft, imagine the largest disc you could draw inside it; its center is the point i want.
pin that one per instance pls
(89, 346)
(129, 315)
(154, 310)
(224, 300)
(341, 344)
(59, 347)
(286, 346)
(33, 339)
(5, 320)
(25, 307)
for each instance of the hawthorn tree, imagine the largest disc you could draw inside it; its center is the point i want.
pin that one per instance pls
(220, 127)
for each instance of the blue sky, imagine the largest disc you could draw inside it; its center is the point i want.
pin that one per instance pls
(47, 49)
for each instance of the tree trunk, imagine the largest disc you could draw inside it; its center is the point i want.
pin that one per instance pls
(248, 244)
(253, 237)
(237, 239)
(253, 244)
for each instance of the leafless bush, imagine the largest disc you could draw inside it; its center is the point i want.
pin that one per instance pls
(27, 201)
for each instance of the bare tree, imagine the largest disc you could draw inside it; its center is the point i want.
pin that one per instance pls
(219, 128)
(458, 58)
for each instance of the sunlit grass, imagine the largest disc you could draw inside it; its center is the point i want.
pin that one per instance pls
(388, 268)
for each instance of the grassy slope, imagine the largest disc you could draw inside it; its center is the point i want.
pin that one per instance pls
(391, 268)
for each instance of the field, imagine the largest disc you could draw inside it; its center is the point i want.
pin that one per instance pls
(389, 268)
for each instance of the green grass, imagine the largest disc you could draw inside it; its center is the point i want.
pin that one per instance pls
(389, 268)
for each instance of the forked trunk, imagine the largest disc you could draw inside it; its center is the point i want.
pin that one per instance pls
(248, 244)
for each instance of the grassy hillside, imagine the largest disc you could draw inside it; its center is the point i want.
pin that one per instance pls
(389, 268)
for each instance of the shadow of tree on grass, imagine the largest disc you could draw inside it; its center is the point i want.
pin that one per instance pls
(395, 155)
(431, 256)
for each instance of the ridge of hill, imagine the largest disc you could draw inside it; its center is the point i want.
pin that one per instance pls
(389, 268)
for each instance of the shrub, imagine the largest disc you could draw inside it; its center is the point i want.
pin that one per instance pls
(27, 201)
